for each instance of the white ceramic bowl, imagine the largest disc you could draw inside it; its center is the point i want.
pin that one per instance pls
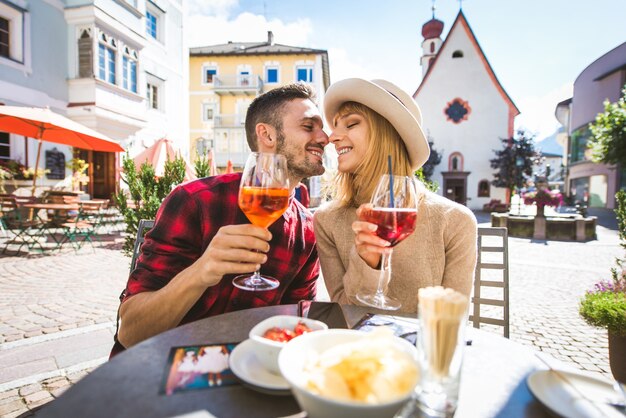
(267, 350)
(298, 352)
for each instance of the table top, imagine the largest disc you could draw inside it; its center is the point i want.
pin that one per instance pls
(493, 382)
(51, 206)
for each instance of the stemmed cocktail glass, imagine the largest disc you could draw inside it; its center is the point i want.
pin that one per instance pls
(394, 209)
(263, 198)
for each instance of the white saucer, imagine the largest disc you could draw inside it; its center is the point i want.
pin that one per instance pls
(248, 368)
(581, 396)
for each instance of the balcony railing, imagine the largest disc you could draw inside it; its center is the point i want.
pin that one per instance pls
(246, 84)
(229, 121)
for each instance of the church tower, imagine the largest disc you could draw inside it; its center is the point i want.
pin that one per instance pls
(431, 31)
(465, 110)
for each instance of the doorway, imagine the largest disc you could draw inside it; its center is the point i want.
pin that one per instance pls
(455, 190)
(102, 184)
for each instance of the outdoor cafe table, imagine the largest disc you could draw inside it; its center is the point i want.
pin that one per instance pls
(493, 383)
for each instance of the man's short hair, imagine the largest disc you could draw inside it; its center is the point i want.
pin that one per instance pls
(267, 108)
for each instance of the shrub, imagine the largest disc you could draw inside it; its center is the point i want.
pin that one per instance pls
(145, 193)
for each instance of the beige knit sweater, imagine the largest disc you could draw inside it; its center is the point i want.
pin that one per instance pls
(441, 251)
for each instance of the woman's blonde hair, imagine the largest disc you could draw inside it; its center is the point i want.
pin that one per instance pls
(354, 189)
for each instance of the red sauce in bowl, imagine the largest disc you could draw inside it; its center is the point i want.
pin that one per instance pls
(285, 334)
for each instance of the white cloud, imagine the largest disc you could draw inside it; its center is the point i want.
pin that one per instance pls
(537, 113)
(341, 66)
(203, 30)
(211, 8)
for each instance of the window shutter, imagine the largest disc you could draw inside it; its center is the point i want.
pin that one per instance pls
(85, 56)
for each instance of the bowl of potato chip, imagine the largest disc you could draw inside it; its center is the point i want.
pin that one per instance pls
(350, 373)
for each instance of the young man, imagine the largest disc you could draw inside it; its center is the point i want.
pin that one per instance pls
(201, 239)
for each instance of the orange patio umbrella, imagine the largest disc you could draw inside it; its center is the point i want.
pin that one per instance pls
(160, 152)
(46, 125)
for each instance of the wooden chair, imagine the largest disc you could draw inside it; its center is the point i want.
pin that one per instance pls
(491, 282)
(144, 226)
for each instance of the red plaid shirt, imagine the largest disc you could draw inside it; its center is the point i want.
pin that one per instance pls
(186, 223)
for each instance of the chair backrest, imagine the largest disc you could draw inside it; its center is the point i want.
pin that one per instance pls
(144, 226)
(491, 282)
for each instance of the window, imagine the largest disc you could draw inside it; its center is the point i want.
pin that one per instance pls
(129, 70)
(457, 110)
(208, 73)
(598, 191)
(4, 37)
(151, 24)
(155, 92)
(591, 191)
(244, 78)
(106, 58)
(5, 146)
(208, 112)
(455, 162)
(579, 150)
(13, 32)
(304, 74)
(432, 47)
(483, 188)
(271, 74)
(457, 54)
(152, 94)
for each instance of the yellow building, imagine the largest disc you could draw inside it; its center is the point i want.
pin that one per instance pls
(225, 78)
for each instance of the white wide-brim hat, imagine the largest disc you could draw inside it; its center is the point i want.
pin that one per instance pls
(388, 100)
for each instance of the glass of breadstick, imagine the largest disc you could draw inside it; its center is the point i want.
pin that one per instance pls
(442, 315)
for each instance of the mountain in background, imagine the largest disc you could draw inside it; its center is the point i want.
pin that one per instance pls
(549, 147)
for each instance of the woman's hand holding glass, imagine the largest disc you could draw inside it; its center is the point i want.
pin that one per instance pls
(394, 212)
(368, 245)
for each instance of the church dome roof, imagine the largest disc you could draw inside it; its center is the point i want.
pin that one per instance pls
(432, 29)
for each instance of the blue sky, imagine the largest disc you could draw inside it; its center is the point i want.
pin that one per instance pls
(537, 48)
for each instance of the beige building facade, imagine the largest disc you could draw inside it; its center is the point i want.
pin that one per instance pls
(225, 78)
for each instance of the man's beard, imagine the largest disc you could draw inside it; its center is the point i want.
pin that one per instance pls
(302, 169)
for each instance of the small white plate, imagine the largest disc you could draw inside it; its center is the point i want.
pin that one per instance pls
(248, 368)
(582, 396)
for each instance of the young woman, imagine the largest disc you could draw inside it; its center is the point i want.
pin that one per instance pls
(369, 121)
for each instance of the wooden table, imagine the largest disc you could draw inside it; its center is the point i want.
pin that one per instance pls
(493, 383)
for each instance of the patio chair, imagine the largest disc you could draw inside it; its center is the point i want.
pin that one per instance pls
(490, 298)
(28, 230)
(78, 231)
(144, 226)
(93, 213)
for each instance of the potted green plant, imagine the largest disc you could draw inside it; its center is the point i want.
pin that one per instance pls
(542, 198)
(605, 305)
(79, 173)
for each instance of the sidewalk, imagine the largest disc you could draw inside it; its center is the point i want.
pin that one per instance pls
(56, 321)
(57, 312)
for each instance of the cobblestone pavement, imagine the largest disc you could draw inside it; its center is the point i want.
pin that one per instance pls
(547, 280)
(48, 296)
(52, 293)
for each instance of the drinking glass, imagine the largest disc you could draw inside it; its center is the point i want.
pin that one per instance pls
(263, 198)
(394, 210)
(442, 315)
